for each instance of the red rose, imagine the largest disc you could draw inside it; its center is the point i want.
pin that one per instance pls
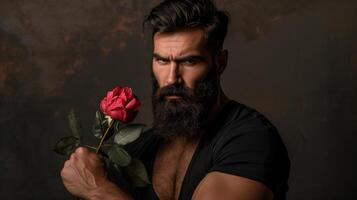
(120, 104)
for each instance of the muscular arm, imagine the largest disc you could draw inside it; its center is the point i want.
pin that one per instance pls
(84, 176)
(217, 185)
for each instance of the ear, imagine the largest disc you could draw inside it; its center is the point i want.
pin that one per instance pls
(221, 61)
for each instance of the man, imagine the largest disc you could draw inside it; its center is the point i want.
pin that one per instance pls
(202, 145)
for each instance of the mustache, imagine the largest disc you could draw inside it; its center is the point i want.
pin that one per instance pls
(175, 90)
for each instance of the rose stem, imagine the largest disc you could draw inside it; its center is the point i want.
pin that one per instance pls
(104, 136)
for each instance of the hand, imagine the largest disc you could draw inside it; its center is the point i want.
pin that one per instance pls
(83, 174)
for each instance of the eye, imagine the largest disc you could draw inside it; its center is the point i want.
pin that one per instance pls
(161, 61)
(189, 62)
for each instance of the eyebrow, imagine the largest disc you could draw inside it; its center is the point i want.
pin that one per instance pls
(180, 59)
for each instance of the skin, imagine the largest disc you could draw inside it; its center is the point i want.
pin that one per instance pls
(181, 57)
(84, 176)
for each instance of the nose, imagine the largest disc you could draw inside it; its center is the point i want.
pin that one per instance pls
(173, 76)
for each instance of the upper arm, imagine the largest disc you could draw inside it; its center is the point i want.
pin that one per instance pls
(217, 185)
(249, 162)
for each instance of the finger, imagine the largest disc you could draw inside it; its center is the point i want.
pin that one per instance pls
(95, 160)
(65, 168)
(80, 161)
(67, 164)
(72, 157)
(81, 150)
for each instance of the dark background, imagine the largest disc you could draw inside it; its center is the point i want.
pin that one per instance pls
(293, 60)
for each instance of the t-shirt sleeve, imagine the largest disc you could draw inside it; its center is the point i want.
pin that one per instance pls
(253, 150)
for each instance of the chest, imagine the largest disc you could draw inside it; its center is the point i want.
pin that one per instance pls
(170, 167)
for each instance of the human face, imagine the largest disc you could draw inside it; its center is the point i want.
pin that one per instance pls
(181, 57)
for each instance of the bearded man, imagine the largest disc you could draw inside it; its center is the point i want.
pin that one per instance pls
(202, 144)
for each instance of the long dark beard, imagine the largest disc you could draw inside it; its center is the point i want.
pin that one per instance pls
(187, 115)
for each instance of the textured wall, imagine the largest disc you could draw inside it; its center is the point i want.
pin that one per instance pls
(293, 60)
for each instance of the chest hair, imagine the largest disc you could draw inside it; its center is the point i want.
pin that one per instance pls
(170, 166)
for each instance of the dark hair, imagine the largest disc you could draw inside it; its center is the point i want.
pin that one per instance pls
(174, 15)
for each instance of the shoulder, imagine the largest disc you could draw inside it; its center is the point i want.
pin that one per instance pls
(248, 126)
(249, 145)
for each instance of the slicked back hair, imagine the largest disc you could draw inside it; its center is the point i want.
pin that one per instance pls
(175, 15)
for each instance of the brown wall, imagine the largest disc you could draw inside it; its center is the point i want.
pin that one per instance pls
(293, 60)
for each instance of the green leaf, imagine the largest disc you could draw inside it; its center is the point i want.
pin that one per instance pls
(119, 156)
(66, 145)
(128, 134)
(137, 174)
(74, 124)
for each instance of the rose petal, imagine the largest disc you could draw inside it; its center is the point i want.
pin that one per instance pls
(133, 105)
(124, 119)
(110, 94)
(113, 100)
(123, 95)
(117, 90)
(103, 105)
(128, 93)
(117, 114)
(117, 104)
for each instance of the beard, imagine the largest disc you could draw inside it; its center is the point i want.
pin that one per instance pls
(186, 115)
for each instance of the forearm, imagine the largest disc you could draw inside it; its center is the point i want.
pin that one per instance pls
(109, 191)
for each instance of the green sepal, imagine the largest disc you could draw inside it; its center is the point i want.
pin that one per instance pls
(116, 126)
(101, 125)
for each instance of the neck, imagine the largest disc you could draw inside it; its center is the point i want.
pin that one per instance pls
(221, 100)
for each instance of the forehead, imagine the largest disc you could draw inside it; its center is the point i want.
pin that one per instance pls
(179, 43)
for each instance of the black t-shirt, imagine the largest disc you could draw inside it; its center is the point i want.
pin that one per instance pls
(241, 142)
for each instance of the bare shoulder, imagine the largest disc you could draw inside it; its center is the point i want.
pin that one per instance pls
(217, 185)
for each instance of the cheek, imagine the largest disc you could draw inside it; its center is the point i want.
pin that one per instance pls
(192, 77)
(158, 74)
